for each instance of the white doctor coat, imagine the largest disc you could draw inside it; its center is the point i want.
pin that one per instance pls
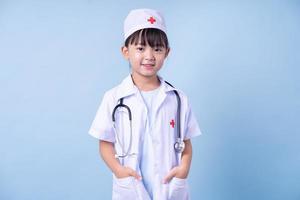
(163, 138)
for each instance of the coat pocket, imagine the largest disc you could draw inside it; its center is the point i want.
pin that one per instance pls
(178, 189)
(123, 188)
(129, 188)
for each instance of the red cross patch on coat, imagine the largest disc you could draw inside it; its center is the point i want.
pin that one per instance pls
(172, 123)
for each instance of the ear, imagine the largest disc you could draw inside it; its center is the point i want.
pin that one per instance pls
(125, 52)
(167, 52)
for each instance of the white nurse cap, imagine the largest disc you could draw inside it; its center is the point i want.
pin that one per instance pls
(143, 18)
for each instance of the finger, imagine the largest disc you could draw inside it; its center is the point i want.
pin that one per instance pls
(171, 174)
(134, 174)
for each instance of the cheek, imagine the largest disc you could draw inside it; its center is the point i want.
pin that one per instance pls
(137, 56)
(135, 60)
(133, 57)
(161, 60)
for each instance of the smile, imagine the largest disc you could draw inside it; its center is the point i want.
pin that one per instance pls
(148, 65)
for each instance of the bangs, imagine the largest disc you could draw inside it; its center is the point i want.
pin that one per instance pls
(151, 36)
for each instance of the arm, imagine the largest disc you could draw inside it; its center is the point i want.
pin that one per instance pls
(182, 170)
(186, 160)
(107, 152)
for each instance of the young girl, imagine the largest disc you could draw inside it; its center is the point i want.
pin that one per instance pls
(144, 125)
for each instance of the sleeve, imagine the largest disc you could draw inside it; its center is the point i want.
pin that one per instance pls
(191, 125)
(102, 127)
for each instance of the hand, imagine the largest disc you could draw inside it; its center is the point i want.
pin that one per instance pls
(178, 172)
(124, 172)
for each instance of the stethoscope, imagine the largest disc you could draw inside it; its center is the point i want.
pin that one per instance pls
(179, 145)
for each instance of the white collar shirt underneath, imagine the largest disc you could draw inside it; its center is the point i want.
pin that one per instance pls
(147, 154)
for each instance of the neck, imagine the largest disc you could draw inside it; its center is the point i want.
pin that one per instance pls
(145, 83)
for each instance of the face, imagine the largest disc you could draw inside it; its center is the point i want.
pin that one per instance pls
(144, 60)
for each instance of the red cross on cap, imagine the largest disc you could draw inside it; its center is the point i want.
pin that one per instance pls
(151, 20)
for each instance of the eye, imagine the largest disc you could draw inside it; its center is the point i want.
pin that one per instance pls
(158, 49)
(140, 48)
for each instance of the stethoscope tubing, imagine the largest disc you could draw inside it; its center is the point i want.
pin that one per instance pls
(178, 145)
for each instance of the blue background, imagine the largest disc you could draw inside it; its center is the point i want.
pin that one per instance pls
(238, 61)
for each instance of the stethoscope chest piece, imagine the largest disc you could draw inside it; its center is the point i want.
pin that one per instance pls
(179, 145)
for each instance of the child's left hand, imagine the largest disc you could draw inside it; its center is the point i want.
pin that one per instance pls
(178, 172)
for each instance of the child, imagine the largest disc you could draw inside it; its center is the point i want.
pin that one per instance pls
(144, 123)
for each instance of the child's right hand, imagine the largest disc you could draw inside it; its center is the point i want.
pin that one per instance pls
(124, 172)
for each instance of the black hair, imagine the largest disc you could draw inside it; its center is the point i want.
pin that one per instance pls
(152, 36)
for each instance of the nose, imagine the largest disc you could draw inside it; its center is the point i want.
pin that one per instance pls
(149, 54)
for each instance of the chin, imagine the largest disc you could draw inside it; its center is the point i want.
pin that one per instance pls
(146, 72)
(149, 74)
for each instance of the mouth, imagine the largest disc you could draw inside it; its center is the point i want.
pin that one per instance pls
(148, 65)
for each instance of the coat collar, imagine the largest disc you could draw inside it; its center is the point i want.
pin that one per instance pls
(127, 87)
